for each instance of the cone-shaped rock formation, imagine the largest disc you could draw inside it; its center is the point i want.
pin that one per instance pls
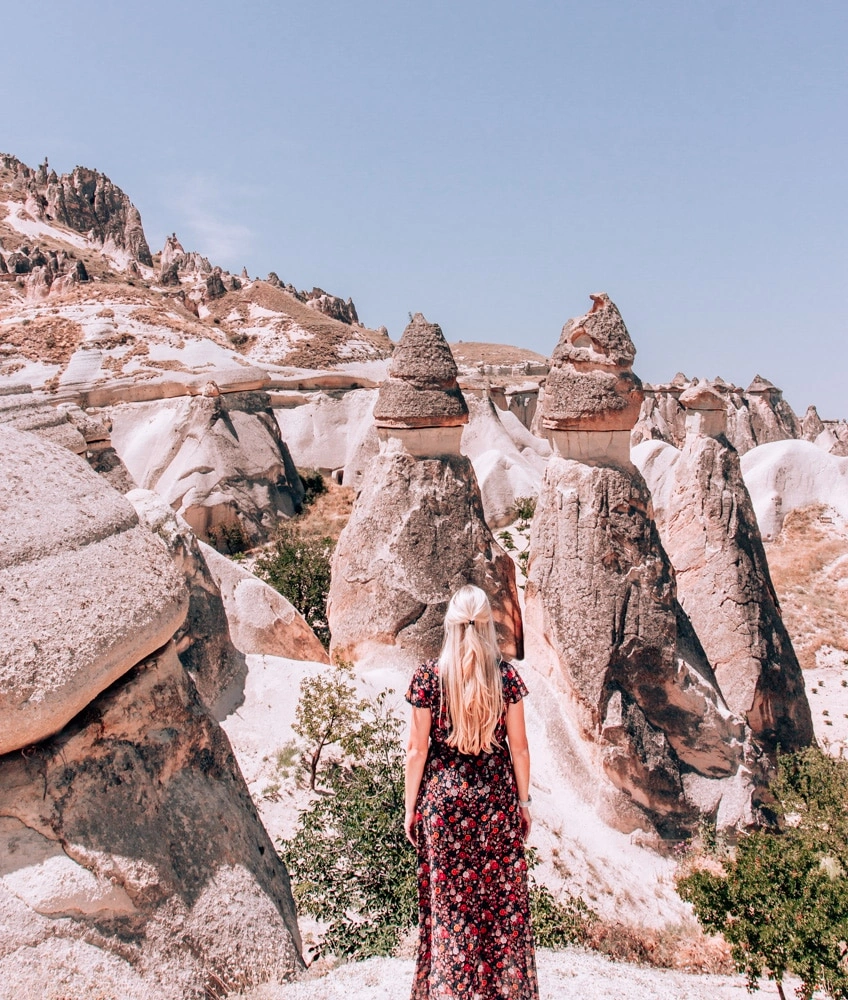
(417, 532)
(708, 527)
(602, 613)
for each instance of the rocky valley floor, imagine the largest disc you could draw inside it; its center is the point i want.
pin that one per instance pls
(572, 974)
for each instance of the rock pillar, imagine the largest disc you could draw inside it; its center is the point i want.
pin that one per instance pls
(602, 615)
(708, 527)
(417, 532)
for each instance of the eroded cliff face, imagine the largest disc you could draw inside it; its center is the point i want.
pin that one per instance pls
(218, 459)
(85, 201)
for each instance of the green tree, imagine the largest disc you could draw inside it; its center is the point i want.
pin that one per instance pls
(299, 568)
(781, 898)
(328, 714)
(350, 863)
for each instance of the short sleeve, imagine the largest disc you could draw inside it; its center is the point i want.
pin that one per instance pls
(420, 693)
(514, 688)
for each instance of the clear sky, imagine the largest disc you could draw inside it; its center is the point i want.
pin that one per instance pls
(487, 163)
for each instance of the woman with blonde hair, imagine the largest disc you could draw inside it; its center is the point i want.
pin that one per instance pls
(468, 815)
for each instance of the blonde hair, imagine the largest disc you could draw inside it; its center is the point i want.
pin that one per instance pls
(470, 674)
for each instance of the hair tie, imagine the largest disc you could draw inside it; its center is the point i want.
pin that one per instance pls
(470, 622)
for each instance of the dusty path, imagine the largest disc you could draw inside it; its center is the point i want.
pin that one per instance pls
(572, 974)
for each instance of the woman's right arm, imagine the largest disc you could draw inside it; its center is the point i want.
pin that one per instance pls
(519, 748)
(416, 758)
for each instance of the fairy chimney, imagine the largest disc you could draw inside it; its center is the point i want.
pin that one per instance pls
(592, 398)
(420, 403)
(706, 411)
(417, 531)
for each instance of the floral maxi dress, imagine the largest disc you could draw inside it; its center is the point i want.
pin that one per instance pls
(475, 941)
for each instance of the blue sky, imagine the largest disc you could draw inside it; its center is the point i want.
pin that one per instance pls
(489, 164)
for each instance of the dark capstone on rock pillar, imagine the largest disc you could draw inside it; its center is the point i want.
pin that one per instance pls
(417, 532)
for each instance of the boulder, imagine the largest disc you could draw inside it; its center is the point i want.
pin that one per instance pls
(132, 860)
(85, 591)
(261, 620)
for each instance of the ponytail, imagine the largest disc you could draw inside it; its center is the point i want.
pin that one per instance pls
(469, 673)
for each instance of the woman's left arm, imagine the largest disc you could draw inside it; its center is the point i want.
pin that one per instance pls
(416, 758)
(519, 748)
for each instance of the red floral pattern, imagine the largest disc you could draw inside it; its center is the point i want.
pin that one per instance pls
(475, 940)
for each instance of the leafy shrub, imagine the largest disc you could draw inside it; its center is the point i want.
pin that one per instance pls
(299, 568)
(350, 863)
(781, 898)
(328, 713)
(524, 509)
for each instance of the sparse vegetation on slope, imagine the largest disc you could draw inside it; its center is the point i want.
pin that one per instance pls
(808, 563)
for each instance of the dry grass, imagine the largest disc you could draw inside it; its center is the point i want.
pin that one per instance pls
(52, 339)
(684, 948)
(329, 512)
(809, 567)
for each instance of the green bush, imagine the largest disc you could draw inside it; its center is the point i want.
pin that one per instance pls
(328, 714)
(781, 898)
(524, 508)
(299, 568)
(350, 863)
(349, 860)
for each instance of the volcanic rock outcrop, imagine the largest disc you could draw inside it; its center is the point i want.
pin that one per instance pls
(709, 530)
(85, 201)
(64, 526)
(217, 459)
(203, 641)
(602, 617)
(132, 861)
(417, 532)
(754, 416)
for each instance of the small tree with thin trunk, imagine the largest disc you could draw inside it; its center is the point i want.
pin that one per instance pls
(327, 714)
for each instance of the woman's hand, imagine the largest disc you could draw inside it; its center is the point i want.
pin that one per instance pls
(409, 825)
(526, 822)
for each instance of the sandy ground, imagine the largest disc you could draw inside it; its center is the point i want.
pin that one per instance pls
(572, 974)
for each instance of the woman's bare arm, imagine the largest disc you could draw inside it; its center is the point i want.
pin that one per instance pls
(516, 734)
(416, 758)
